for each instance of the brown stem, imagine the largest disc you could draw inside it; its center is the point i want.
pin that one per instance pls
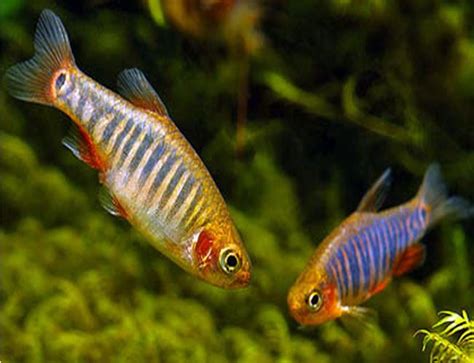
(242, 97)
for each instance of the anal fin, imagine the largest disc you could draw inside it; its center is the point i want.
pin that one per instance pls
(111, 204)
(81, 145)
(382, 285)
(410, 259)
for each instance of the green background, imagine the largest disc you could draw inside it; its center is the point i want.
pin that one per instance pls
(339, 91)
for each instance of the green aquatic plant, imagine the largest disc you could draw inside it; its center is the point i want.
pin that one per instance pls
(455, 343)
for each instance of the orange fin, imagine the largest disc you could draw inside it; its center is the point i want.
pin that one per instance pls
(382, 285)
(111, 204)
(375, 196)
(81, 145)
(133, 85)
(410, 259)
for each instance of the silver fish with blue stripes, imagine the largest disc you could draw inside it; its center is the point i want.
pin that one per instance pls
(362, 255)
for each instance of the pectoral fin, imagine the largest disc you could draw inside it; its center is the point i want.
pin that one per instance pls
(356, 318)
(359, 320)
(358, 312)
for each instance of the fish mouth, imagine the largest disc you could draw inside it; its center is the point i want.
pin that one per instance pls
(296, 313)
(297, 309)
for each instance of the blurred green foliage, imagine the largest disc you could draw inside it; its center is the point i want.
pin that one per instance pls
(341, 91)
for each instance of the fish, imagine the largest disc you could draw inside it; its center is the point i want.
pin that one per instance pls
(236, 23)
(360, 257)
(152, 176)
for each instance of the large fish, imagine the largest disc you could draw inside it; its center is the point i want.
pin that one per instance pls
(360, 257)
(153, 176)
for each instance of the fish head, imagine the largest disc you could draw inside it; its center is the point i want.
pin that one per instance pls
(221, 259)
(314, 301)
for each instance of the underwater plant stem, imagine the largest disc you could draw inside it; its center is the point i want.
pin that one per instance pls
(242, 98)
(320, 107)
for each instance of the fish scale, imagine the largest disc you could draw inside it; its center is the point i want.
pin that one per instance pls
(152, 175)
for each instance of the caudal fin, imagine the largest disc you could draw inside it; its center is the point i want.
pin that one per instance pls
(433, 194)
(33, 80)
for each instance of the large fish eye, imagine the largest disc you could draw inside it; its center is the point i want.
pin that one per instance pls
(229, 260)
(314, 300)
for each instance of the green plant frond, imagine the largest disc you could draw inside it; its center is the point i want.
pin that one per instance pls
(425, 338)
(456, 323)
(445, 348)
(467, 337)
(442, 349)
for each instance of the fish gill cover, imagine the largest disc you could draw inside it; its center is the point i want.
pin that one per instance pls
(337, 92)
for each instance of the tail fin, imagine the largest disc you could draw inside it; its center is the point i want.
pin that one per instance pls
(32, 80)
(433, 194)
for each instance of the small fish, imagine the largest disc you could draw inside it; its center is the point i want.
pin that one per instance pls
(236, 22)
(360, 257)
(153, 176)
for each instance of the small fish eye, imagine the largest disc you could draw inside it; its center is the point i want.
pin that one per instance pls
(229, 261)
(60, 81)
(314, 301)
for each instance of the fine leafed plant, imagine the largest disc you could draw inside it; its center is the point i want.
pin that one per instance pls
(452, 338)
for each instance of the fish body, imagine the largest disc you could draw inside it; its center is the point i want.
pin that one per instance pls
(153, 176)
(361, 256)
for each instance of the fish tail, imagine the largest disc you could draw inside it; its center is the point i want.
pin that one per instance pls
(36, 79)
(433, 196)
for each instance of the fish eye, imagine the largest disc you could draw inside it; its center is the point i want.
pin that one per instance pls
(229, 260)
(60, 80)
(314, 300)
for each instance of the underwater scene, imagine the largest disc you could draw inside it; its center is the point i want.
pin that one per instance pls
(237, 181)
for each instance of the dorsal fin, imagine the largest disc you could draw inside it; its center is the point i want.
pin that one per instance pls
(375, 196)
(133, 85)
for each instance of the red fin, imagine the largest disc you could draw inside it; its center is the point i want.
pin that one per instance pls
(382, 285)
(411, 258)
(111, 204)
(134, 86)
(81, 145)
